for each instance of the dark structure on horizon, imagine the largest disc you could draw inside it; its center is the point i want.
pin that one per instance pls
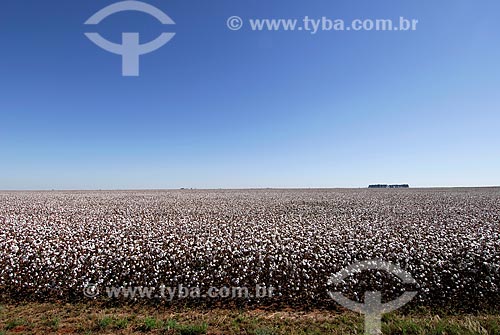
(389, 186)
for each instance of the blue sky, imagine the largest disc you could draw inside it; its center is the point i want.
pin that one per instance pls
(216, 108)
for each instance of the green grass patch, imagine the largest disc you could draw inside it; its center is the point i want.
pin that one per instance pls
(15, 323)
(170, 325)
(121, 323)
(492, 327)
(52, 323)
(104, 322)
(150, 323)
(192, 329)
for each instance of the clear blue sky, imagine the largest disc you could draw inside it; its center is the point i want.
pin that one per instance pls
(216, 108)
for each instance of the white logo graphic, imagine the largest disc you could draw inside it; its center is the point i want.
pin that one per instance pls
(130, 49)
(91, 290)
(234, 23)
(372, 308)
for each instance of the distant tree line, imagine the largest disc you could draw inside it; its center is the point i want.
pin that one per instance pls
(389, 186)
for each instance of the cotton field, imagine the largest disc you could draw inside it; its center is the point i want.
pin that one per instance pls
(53, 244)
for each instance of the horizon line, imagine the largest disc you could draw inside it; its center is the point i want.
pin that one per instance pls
(238, 188)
